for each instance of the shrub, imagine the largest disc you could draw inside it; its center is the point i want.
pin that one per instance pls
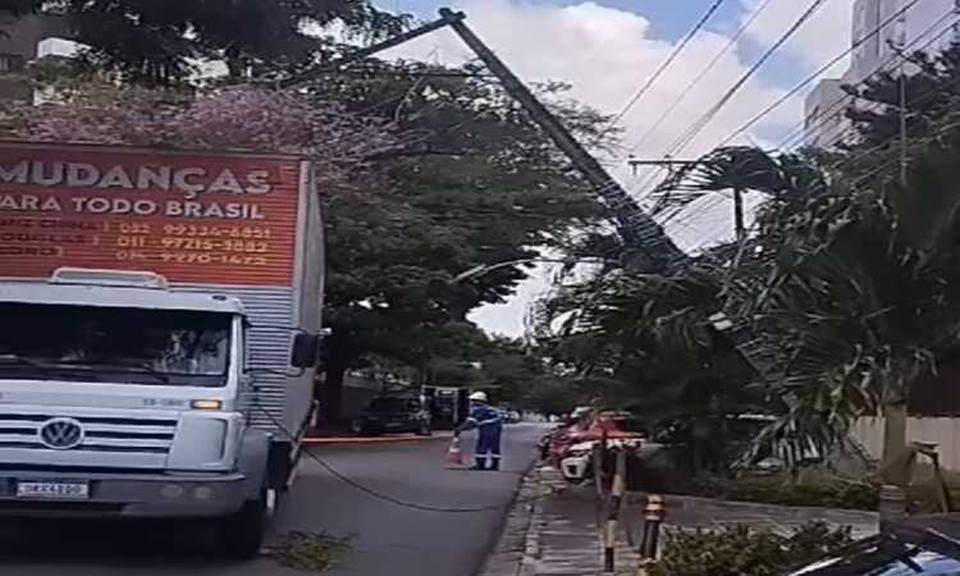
(740, 551)
(826, 492)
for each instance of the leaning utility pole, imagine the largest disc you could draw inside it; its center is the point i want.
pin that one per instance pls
(649, 247)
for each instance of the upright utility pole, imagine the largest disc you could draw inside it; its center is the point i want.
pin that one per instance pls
(738, 216)
(903, 125)
(738, 224)
(895, 401)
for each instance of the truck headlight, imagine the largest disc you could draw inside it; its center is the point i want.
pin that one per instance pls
(206, 404)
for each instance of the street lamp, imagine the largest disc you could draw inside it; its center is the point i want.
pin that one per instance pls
(482, 269)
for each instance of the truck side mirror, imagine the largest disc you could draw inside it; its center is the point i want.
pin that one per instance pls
(306, 350)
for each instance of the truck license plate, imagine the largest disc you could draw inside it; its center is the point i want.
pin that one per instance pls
(54, 490)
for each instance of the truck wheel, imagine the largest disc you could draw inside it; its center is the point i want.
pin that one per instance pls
(242, 533)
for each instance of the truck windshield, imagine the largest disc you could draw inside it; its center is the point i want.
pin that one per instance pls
(132, 345)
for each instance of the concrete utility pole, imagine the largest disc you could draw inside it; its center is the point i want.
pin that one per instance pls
(895, 402)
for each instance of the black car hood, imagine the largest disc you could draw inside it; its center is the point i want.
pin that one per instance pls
(920, 545)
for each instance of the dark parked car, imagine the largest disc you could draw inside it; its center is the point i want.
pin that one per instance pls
(393, 414)
(918, 546)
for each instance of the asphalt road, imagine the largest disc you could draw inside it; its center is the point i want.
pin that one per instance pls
(385, 538)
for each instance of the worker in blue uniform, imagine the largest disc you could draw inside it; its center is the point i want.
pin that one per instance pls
(489, 424)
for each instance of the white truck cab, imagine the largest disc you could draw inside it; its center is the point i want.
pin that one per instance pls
(122, 397)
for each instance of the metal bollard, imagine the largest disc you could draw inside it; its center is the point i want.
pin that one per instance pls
(613, 514)
(653, 515)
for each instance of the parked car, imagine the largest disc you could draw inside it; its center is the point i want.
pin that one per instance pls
(921, 545)
(393, 414)
(570, 448)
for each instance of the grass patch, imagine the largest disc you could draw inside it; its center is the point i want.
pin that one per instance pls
(309, 552)
(825, 491)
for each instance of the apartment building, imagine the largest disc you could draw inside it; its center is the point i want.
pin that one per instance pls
(878, 32)
(19, 41)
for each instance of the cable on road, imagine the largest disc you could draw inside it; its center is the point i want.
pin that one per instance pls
(376, 494)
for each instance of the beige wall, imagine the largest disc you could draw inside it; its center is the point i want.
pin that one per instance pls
(944, 432)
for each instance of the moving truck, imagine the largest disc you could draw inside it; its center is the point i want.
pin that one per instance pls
(160, 320)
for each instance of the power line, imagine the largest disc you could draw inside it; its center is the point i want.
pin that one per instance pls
(926, 95)
(685, 139)
(816, 74)
(689, 88)
(663, 66)
(852, 158)
(918, 98)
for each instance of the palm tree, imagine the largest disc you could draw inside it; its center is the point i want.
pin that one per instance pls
(847, 287)
(644, 342)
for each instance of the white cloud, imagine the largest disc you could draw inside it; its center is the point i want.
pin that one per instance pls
(606, 54)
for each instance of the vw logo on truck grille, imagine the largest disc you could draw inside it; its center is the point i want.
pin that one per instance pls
(61, 433)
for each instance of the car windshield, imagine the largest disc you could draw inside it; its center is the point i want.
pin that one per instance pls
(84, 343)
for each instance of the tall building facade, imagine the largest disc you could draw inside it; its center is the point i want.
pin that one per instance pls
(927, 25)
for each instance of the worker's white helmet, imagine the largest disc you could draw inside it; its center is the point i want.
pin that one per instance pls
(478, 397)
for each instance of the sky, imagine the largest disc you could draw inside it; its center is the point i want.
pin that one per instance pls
(606, 50)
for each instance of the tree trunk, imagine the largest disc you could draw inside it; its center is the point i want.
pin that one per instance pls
(894, 439)
(331, 393)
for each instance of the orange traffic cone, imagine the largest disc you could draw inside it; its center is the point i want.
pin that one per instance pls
(454, 452)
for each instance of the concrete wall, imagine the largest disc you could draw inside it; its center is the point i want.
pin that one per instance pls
(944, 432)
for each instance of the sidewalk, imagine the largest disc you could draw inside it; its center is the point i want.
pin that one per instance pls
(553, 529)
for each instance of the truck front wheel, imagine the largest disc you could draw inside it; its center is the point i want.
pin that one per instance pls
(241, 534)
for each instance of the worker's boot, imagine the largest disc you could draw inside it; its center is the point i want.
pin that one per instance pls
(479, 463)
(495, 464)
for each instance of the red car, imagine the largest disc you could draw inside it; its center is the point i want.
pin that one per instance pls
(570, 447)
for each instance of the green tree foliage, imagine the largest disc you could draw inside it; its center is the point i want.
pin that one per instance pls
(845, 288)
(644, 342)
(475, 182)
(932, 90)
(840, 297)
(159, 42)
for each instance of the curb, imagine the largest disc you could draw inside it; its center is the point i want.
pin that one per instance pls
(340, 440)
(517, 550)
